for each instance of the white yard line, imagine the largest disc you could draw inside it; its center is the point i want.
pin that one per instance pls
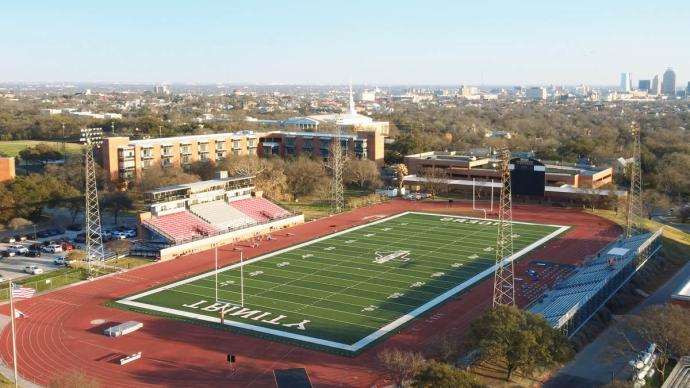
(131, 301)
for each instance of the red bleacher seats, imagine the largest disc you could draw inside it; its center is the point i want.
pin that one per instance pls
(181, 226)
(260, 209)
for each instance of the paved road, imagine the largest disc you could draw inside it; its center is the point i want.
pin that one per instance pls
(593, 367)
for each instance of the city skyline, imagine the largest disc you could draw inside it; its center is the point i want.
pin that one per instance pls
(385, 43)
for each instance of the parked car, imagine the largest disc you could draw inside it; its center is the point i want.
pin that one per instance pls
(9, 240)
(43, 234)
(62, 261)
(33, 253)
(118, 235)
(131, 232)
(7, 254)
(35, 246)
(75, 227)
(17, 248)
(52, 248)
(80, 238)
(33, 270)
(66, 246)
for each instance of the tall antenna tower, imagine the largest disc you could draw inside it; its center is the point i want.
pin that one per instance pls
(504, 277)
(92, 138)
(337, 164)
(634, 206)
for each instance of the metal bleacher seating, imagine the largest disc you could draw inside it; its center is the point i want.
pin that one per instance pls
(221, 215)
(680, 375)
(180, 226)
(591, 284)
(260, 209)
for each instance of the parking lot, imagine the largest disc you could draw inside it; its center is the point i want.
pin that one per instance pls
(13, 267)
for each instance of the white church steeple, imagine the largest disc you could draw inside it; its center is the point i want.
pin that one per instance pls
(352, 109)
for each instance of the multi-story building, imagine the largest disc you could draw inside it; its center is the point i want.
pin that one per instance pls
(7, 170)
(644, 84)
(626, 82)
(536, 93)
(656, 86)
(459, 166)
(668, 88)
(124, 159)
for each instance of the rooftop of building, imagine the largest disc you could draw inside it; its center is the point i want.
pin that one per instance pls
(197, 186)
(490, 161)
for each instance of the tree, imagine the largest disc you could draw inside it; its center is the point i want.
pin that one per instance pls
(400, 173)
(269, 173)
(667, 327)
(117, 202)
(304, 175)
(522, 340)
(441, 375)
(205, 169)
(41, 152)
(363, 173)
(435, 180)
(7, 204)
(155, 177)
(444, 346)
(401, 365)
(684, 213)
(74, 379)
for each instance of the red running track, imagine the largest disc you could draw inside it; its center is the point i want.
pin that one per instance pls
(63, 331)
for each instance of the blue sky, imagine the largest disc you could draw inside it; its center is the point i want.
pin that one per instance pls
(322, 42)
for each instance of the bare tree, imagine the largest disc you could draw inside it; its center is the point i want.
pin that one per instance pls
(401, 365)
(435, 180)
(400, 173)
(667, 327)
(362, 172)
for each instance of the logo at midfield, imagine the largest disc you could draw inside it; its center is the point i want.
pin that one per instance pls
(386, 256)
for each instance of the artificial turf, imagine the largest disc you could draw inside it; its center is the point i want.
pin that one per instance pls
(350, 288)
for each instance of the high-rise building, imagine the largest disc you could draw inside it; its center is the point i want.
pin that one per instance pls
(687, 91)
(656, 86)
(626, 82)
(668, 88)
(644, 84)
(536, 93)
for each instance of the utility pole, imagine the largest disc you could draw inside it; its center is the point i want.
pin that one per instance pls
(504, 276)
(92, 138)
(634, 206)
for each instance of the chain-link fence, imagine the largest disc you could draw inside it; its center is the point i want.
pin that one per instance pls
(46, 283)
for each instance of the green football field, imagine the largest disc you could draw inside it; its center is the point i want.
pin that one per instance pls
(348, 289)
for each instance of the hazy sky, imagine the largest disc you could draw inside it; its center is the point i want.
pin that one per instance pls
(317, 42)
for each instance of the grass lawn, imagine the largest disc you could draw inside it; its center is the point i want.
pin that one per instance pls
(12, 148)
(676, 243)
(349, 289)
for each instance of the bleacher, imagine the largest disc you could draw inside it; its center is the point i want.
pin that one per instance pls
(544, 274)
(260, 209)
(573, 300)
(180, 226)
(680, 375)
(222, 216)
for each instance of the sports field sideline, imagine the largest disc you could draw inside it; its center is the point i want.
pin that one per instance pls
(348, 289)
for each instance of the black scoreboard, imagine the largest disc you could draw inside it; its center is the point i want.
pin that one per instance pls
(527, 176)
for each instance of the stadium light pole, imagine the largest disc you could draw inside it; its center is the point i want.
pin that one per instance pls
(473, 195)
(492, 195)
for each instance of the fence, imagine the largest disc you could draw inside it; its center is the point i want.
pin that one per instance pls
(47, 282)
